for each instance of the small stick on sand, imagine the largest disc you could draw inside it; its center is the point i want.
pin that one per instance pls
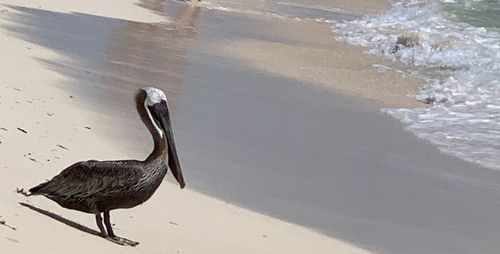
(63, 147)
(22, 130)
(2, 222)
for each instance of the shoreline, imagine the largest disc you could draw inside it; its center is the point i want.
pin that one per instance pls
(317, 58)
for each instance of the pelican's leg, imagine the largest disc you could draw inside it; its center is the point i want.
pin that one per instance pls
(98, 220)
(108, 224)
(111, 235)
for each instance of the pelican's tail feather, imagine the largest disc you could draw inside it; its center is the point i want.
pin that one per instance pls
(37, 190)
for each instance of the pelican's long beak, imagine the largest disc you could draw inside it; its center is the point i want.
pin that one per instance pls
(173, 160)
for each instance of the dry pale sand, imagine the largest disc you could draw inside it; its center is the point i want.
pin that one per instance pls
(129, 10)
(44, 128)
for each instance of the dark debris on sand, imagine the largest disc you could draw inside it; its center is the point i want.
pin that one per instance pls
(63, 147)
(22, 130)
(3, 223)
(22, 191)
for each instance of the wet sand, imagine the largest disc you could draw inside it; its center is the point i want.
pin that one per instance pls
(369, 7)
(278, 141)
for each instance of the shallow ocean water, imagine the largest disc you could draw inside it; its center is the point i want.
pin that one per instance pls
(485, 13)
(455, 46)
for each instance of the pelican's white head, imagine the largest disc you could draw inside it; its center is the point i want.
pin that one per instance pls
(153, 96)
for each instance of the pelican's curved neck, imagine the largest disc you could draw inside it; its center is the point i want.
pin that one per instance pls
(159, 142)
(160, 146)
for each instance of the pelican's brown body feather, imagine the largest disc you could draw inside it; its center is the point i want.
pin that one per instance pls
(98, 186)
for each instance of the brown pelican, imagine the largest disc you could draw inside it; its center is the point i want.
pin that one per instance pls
(101, 186)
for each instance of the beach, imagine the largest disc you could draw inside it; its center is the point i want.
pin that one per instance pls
(278, 126)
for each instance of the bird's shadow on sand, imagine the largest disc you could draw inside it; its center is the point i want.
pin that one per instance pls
(77, 225)
(62, 219)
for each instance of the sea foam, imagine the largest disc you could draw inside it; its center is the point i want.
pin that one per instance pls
(461, 64)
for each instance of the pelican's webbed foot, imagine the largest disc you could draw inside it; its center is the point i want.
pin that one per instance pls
(122, 241)
(110, 235)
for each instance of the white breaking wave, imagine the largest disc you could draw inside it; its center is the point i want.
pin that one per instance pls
(461, 64)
